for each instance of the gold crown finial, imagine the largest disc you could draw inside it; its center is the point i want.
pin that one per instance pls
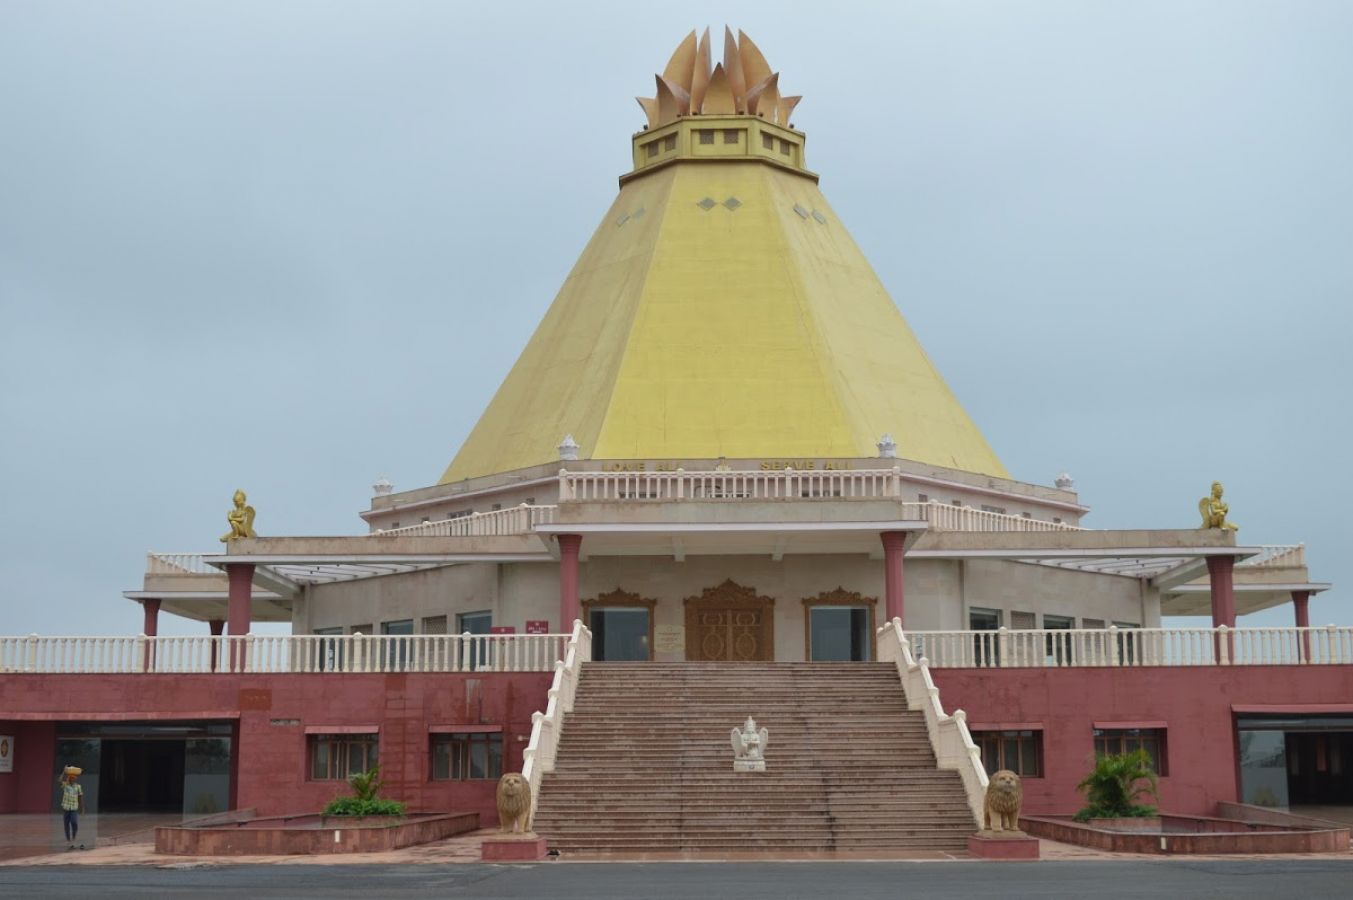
(743, 84)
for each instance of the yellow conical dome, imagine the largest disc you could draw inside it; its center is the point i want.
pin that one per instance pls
(721, 309)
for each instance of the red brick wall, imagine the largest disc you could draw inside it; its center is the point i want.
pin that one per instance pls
(271, 758)
(1195, 703)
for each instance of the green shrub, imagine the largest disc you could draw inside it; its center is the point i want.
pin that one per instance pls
(357, 806)
(1115, 784)
(364, 802)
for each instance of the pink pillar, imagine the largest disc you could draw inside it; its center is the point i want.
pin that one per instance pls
(217, 626)
(239, 608)
(1301, 608)
(894, 543)
(1219, 573)
(150, 626)
(569, 610)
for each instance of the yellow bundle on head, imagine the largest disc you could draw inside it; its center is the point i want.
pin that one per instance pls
(73, 770)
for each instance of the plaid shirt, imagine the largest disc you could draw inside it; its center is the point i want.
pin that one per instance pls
(70, 795)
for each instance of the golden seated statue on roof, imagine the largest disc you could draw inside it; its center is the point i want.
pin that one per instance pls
(1214, 510)
(241, 519)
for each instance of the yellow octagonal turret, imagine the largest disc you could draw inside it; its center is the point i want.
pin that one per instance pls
(721, 309)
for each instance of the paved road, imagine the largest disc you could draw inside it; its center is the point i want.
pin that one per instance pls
(706, 881)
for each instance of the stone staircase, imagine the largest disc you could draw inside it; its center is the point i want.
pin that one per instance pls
(645, 765)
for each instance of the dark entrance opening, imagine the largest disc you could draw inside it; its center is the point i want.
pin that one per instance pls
(1320, 768)
(1296, 761)
(142, 775)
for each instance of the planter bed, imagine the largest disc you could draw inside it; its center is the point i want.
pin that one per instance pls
(311, 834)
(1171, 834)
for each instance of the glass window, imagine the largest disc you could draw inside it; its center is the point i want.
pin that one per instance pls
(1116, 741)
(466, 756)
(619, 633)
(730, 136)
(1019, 751)
(1058, 646)
(838, 633)
(669, 142)
(333, 757)
(706, 135)
(330, 650)
(477, 653)
(784, 147)
(986, 649)
(651, 148)
(767, 142)
(395, 654)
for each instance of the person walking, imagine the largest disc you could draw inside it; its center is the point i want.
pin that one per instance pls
(72, 803)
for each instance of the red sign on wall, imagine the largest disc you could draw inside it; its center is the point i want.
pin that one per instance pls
(537, 626)
(503, 629)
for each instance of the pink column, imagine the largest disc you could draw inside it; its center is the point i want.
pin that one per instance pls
(239, 607)
(1219, 573)
(569, 610)
(217, 626)
(1301, 608)
(150, 626)
(894, 542)
(1220, 576)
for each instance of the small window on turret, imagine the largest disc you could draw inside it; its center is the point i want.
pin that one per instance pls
(730, 136)
(767, 142)
(706, 135)
(784, 147)
(652, 149)
(669, 142)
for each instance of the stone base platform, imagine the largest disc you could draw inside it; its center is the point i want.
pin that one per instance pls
(513, 848)
(1002, 845)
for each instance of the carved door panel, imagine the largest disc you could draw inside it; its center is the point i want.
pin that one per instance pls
(730, 624)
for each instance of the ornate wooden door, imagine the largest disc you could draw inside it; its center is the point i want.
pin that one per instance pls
(730, 623)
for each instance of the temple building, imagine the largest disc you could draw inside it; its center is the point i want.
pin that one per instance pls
(722, 446)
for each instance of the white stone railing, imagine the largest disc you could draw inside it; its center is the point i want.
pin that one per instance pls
(547, 726)
(293, 654)
(947, 517)
(1278, 555)
(788, 484)
(1134, 647)
(949, 736)
(514, 520)
(179, 564)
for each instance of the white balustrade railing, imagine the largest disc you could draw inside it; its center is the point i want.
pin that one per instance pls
(514, 520)
(1273, 555)
(949, 736)
(292, 654)
(1133, 647)
(789, 484)
(179, 564)
(546, 727)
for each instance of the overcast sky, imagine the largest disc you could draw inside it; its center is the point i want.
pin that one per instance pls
(293, 246)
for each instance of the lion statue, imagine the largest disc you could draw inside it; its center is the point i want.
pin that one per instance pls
(1005, 795)
(514, 803)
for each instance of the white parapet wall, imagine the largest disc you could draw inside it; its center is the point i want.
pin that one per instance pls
(547, 727)
(949, 737)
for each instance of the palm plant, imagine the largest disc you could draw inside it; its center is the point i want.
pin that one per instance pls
(1116, 783)
(366, 785)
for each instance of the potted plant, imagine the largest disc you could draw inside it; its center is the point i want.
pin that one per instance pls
(1115, 784)
(364, 800)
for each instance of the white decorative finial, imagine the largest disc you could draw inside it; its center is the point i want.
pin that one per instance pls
(887, 447)
(382, 486)
(1064, 482)
(568, 450)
